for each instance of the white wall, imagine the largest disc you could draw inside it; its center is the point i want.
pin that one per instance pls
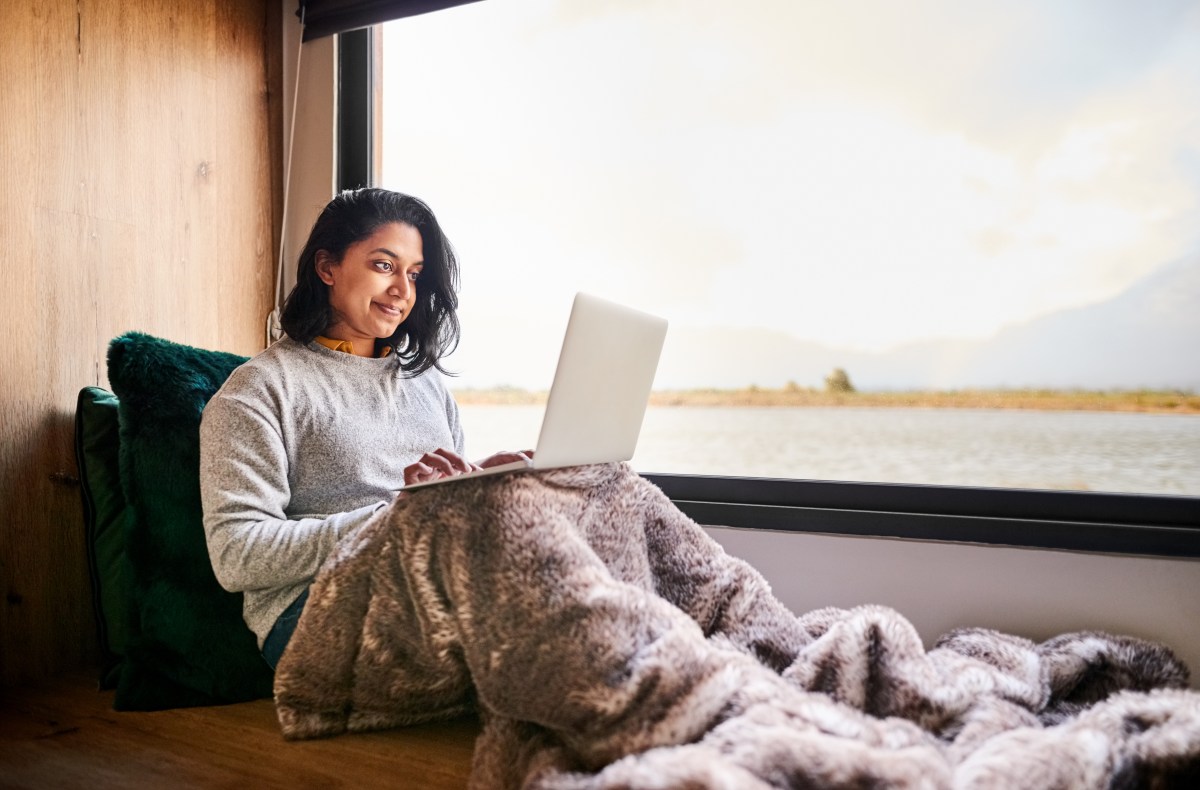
(940, 586)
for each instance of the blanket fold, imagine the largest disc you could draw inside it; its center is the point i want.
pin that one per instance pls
(607, 641)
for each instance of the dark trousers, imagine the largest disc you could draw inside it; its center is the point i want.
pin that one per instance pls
(281, 632)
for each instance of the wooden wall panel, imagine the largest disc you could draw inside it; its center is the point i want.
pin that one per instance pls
(140, 190)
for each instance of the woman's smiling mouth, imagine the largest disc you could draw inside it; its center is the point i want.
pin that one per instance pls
(394, 312)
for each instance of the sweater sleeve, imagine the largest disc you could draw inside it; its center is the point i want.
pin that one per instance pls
(245, 492)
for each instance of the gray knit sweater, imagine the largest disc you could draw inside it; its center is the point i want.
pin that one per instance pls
(300, 447)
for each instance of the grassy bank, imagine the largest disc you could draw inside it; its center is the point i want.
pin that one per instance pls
(1157, 401)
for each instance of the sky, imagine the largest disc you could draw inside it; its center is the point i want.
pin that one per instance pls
(856, 174)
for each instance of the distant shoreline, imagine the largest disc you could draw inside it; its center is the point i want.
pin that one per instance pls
(1150, 401)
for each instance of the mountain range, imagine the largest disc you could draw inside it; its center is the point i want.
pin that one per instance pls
(1146, 337)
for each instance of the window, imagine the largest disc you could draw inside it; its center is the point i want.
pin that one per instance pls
(962, 207)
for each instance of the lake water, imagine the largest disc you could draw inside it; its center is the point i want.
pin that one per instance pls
(1097, 451)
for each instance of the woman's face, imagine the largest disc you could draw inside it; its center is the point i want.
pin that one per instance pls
(373, 288)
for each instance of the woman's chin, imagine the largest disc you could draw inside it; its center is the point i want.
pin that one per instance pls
(386, 318)
(386, 330)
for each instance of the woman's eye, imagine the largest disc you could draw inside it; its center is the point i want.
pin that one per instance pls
(383, 266)
(413, 276)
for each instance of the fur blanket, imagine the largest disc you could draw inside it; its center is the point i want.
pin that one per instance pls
(608, 642)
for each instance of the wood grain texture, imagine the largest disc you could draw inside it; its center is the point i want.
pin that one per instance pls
(140, 191)
(64, 734)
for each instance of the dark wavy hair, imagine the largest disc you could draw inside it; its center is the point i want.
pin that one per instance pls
(431, 330)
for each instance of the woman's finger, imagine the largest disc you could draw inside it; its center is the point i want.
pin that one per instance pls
(438, 463)
(457, 464)
(417, 473)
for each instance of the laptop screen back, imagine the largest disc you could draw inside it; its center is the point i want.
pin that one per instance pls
(602, 384)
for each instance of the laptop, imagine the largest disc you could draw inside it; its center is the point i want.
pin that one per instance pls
(600, 391)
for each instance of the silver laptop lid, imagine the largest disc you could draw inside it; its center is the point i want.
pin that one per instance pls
(601, 386)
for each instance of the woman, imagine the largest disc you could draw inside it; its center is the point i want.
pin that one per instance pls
(306, 441)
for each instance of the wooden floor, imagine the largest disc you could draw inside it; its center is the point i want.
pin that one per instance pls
(64, 734)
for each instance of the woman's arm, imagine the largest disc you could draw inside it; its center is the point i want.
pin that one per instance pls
(244, 490)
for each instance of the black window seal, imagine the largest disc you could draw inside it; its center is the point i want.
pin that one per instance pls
(355, 110)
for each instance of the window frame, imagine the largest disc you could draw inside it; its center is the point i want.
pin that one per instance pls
(1081, 521)
(1084, 521)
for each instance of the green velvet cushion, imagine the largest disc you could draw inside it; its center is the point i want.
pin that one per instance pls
(189, 644)
(96, 445)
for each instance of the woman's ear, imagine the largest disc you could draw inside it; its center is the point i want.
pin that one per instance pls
(324, 266)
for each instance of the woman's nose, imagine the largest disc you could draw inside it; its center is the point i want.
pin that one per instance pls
(401, 287)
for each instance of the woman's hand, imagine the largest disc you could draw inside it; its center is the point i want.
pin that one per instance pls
(505, 457)
(447, 463)
(436, 465)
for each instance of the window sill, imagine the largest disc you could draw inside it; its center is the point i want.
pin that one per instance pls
(1086, 521)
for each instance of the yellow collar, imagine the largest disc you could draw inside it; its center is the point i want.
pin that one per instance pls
(348, 347)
